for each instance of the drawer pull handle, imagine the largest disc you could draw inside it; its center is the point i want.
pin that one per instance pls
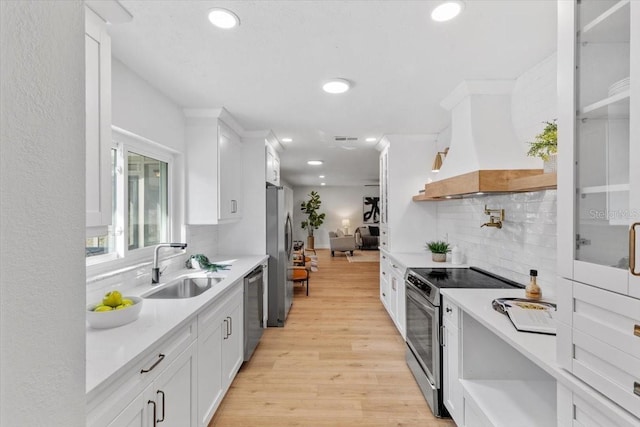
(160, 358)
(632, 249)
(636, 330)
(448, 310)
(636, 388)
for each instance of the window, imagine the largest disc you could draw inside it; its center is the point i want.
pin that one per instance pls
(140, 196)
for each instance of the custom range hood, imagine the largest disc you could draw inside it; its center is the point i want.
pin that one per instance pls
(484, 154)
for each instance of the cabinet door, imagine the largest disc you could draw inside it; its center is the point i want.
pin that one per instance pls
(98, 124)
(139, 413)
(398, 279)
(451, 386)
(384, 183)
(232, 340)
(229, 173)
(596, 226)
(210, 386)
(175, 391)
(393, 296)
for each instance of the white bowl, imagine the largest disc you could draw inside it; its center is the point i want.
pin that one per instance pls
(113, 318)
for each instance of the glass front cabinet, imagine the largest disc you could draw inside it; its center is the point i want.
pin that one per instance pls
(598, 292)
(599, 144)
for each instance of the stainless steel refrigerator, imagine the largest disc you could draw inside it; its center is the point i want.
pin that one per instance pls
(279, 249)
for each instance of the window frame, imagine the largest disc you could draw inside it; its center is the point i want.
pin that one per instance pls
(122, 258)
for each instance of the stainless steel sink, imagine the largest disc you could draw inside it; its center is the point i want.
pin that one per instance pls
(185, 288)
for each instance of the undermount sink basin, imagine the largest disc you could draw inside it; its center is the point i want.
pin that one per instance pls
(185, 288)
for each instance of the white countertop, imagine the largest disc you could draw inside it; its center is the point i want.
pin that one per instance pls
(108, 351)
(419, 260)
(539, 348)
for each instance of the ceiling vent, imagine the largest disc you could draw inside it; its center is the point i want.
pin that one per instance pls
(345, 138)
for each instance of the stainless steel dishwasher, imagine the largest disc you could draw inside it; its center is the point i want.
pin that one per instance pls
(253, 310)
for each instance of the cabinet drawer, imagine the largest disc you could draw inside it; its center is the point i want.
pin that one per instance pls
(611, 318)
(450, 312)
(208, 315)
(610, 371)
(590, 409)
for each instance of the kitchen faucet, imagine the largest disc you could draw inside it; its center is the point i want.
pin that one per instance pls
(155, 271)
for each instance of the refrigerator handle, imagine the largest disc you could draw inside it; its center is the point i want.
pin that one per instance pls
(289, 236)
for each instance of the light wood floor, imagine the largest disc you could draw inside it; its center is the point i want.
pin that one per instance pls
(339, 361)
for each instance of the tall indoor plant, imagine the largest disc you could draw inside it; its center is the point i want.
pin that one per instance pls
(314, 218)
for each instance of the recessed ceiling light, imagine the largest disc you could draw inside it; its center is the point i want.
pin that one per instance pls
(321, 176)
(223, 18)
(323, 184)
(287, 139)
(315, 162)
(371, 139)
(336, 86)
(447, 10)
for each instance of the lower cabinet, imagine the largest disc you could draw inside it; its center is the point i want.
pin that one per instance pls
(220, 351)
(169, 400)
(392, 291)
(181, 381)
(587, 408)
(452, 393)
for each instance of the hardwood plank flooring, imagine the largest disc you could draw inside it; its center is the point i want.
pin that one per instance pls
(339, 361)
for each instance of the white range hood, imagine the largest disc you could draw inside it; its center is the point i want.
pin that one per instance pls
(482, 135)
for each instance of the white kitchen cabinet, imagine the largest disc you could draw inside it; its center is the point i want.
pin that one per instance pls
(579, 409)
(402, 174)
(230, 173)
(452, 392)
(599, 169)
(272, 171)
(214, 168)
(392, 290)
(169, 369)
(98, 124)
(220, 351)
(599, 199)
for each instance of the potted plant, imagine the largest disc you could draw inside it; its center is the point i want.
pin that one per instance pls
(439, 249)
(545, 146)
(314, 218)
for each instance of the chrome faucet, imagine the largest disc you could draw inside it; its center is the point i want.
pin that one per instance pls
(155, 271)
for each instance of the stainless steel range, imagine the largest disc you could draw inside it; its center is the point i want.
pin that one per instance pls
(424, 321)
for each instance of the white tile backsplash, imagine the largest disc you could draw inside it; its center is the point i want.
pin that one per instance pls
(526, 241)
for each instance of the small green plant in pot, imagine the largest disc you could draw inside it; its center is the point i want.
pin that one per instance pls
(545, 146)
(439, 249)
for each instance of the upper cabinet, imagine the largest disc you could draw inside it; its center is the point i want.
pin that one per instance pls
(599, 129)
(214, 167)
(273, 165)
(98, 124)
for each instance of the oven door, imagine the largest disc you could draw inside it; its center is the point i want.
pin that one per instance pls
(423, 327)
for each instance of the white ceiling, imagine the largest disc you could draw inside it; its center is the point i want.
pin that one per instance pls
(268, 71)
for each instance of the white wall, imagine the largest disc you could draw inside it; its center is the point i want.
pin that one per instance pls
(338, 203)
(42, 204)
(528, 237)
(142, 109)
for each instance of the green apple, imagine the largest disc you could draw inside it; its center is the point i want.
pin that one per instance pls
(127, 301)
(102, 308)
(112, 299)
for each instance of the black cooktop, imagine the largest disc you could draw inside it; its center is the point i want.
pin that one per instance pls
(472, 277)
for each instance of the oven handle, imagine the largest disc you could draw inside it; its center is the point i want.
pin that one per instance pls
(420, 300)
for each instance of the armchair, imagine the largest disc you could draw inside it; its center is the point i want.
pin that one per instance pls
(338, 241)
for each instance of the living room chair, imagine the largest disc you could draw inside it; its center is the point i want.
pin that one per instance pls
(300, 271)
(340, 242)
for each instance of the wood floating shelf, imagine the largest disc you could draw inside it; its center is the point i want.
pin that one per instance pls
(488, 181)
